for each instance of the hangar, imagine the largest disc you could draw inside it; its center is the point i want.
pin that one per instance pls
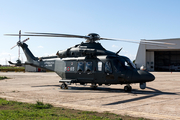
(158, 57)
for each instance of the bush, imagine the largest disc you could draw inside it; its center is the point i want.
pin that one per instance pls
(41, 105)
(3, 77)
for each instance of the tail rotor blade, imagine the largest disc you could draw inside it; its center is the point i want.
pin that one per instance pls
(25, 40)
(13, 46)
(19, 54)
(20, 43)
(19, 35)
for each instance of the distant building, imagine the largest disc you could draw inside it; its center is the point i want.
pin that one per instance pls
(29, 68)
(159, 58)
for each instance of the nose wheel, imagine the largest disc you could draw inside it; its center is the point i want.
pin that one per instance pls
(63, 86)
(127, 88)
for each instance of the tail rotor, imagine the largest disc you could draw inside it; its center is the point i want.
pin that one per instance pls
(19, 43)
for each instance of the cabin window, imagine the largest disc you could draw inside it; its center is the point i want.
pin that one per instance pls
(89, 67)
(99, 66)
(108, 67)
(80, 67)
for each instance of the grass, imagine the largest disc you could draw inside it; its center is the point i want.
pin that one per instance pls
(3, 77)
(11, 67)
(41, 105)
(13, 110)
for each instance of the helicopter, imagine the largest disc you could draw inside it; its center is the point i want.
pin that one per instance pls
(89, 62)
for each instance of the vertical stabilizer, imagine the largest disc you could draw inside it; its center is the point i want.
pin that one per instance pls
(30, 57)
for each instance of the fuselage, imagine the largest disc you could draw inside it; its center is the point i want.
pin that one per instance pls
(99, 70)
(105, 68)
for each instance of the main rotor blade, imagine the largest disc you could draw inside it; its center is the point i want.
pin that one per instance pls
(157, 42)
(88, 37)
(50, 35)
(124, 40)
(59, 35)
(142, 41)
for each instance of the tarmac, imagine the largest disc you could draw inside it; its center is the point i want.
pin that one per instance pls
(160, 100)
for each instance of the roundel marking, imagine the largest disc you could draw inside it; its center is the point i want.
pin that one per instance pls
(68, 68)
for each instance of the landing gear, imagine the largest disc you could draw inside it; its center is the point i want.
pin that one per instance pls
(93, 86)
(142, 85)
(63, 86)
(127, 88)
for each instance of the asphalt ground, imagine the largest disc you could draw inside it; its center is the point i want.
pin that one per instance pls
(160, 100)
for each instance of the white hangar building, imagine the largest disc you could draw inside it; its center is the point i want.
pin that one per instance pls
(159, 58)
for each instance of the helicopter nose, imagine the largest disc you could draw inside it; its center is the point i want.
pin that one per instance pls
(146, 76)
(143, 76)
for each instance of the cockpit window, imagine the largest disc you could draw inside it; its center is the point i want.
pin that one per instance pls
(89, 67)
(129, 63)
(117, 65)
(108, 67)
(80, 67)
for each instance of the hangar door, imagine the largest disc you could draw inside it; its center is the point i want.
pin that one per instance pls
(167, 60)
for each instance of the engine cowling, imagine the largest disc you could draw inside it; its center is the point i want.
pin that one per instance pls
(76, 53)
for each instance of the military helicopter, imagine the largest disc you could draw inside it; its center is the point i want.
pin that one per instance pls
(89, 62)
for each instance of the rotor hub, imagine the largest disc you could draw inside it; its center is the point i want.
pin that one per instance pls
(93, 37)
(19, 43)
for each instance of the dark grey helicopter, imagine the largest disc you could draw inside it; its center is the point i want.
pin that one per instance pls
(88, 62)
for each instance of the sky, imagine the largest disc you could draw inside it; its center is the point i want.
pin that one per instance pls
(122, 19)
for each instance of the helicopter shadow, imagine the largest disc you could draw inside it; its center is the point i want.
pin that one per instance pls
(46, 86)
(96, 90)
(84, 89)
(150, 94)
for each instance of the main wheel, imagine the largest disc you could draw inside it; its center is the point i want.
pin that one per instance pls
(93, 86)
(127, 88)
(130, 88)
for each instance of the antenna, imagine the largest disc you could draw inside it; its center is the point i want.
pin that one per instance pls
(118, 51)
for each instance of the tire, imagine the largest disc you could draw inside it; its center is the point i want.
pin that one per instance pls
(130, 88)
(126, 88)
(93, 86)
(63, 86)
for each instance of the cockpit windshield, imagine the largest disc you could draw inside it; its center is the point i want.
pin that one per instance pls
(121, 63)
(129, 63)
